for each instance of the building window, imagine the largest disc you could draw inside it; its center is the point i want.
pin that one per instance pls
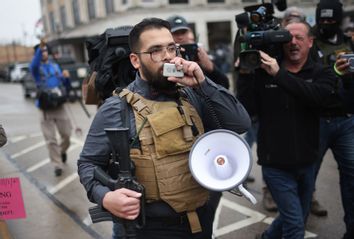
(124, 2)
(219, 44)
(52, 22)
(109, 6)
(91, 9)
(178, 1)
(76, 12)
(63, 17)
(219, 33)
(216, 1)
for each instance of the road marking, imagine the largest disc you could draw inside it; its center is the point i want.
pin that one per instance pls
(87, 220)
(22, 137)
(29, 149)
(47, 160)
(18, 138)
(253, 217)
(38, 165)
(34, 135)
(63, 183)
(77, 141)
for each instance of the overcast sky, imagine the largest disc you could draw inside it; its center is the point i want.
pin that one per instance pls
(18, 19)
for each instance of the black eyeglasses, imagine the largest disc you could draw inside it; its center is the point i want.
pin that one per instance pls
(157, 54)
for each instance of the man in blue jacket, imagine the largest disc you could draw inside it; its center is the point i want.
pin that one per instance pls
(50, 100)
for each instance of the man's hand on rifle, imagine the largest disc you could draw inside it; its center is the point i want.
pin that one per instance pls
(123, 203)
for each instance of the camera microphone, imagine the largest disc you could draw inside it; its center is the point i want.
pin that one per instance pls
(242, 20)
(280, 4)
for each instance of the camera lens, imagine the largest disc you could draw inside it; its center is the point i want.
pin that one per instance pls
(250, 59)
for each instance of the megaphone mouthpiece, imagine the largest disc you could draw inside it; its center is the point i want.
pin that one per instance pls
(223, 169)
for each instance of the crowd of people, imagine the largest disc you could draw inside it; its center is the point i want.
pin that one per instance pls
(294, 107)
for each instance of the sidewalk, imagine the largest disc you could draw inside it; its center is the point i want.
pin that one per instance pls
(43, 216)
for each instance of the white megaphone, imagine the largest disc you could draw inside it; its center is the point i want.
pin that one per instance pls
(221, 160)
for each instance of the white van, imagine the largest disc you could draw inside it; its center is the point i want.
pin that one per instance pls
(19, 71)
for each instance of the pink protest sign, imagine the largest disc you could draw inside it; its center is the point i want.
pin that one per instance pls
(11, 202)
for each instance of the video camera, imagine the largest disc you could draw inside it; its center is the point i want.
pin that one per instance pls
(259, 30)
(108, 56)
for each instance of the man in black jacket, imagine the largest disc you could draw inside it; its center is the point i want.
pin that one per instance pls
(286, 97)
(337, 122)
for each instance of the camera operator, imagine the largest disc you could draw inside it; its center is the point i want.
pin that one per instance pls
(286, 97)
(182, 34)
(336, 127)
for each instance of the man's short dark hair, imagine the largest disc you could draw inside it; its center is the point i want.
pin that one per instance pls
(145, 24)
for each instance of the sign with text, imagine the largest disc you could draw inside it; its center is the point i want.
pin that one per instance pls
(11, 202)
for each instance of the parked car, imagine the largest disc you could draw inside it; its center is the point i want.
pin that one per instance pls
(18, 71)
(78, 72)
(4, 74)
(29, 86)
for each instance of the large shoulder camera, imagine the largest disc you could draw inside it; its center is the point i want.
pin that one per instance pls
(259, 30)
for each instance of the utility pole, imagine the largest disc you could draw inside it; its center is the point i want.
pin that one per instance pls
(7, 53)
(14, 50)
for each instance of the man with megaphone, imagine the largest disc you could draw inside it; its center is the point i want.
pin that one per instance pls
(166, 108)
(287, 94)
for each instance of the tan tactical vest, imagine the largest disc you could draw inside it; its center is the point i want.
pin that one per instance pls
(165, 134)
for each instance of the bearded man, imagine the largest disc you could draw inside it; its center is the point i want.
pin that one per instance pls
(165, 115)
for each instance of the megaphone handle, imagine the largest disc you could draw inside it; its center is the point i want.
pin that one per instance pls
(247, 194)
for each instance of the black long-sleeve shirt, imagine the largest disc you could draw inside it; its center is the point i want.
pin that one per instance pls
(287, 107)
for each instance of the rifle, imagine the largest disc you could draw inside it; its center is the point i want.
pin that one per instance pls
(122, 164)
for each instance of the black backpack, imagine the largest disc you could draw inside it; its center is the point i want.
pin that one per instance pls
(109, 62)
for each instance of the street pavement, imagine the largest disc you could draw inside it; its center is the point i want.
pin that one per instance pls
(58, 207)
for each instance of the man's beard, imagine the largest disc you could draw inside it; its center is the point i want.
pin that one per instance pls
(157, 81)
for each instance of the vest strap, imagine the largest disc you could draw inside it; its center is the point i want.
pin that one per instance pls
(194, 222)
